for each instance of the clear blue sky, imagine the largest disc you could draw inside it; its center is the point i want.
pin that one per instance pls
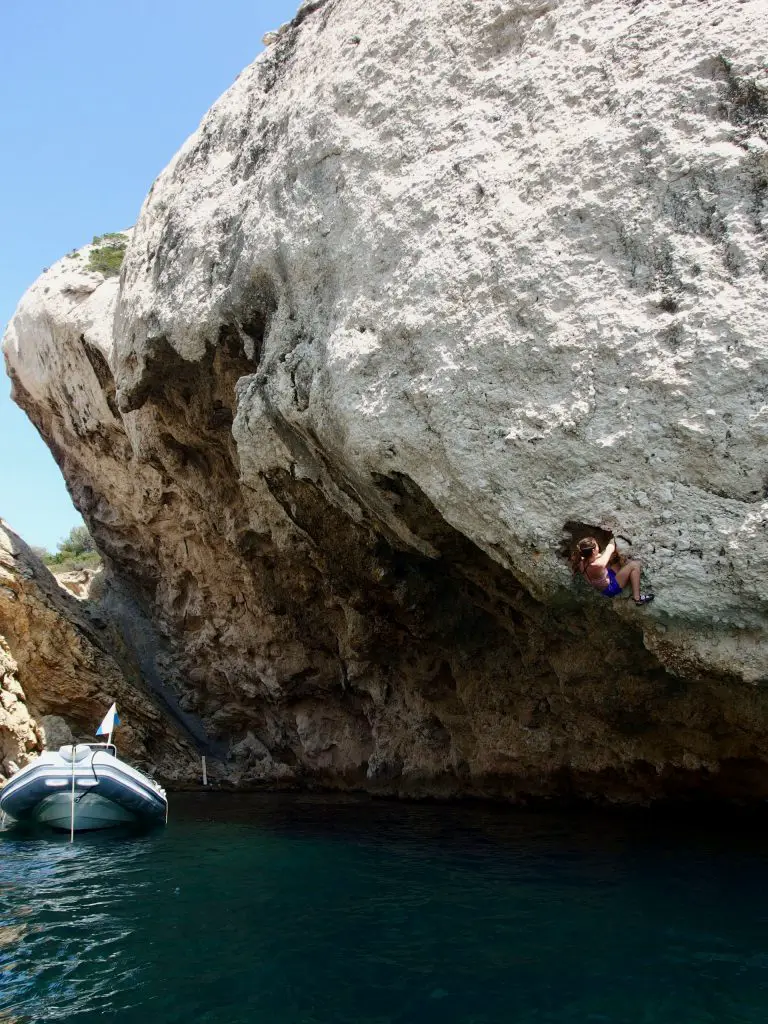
(95, 98)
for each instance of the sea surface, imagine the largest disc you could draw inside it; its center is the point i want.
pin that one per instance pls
(286, 910)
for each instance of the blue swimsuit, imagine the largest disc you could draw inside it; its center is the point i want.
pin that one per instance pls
(614, 588)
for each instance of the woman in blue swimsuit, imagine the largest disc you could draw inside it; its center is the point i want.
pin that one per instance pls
(592, 563)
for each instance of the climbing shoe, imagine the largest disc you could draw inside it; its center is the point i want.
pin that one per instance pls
(644, 599)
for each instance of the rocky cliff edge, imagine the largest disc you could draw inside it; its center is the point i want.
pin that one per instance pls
(430, 292)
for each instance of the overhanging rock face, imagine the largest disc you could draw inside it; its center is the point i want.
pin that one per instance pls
(428, 285)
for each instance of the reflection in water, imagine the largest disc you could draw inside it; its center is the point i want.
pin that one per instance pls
(11, 933)
(313, 910)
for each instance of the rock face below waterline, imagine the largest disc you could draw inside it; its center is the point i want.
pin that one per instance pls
(431, 285)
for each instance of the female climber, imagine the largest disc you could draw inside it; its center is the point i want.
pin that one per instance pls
(592, 563)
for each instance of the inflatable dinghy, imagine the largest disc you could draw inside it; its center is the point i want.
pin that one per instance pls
(83, 787)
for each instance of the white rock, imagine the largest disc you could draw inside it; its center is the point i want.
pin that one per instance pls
(503, 313)
(510, 255)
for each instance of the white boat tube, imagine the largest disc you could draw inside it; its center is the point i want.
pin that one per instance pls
(106, 791)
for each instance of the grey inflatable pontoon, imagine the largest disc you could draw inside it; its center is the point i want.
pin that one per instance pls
(106, 791)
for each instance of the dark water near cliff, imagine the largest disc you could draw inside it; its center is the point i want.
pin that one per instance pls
(276, 910)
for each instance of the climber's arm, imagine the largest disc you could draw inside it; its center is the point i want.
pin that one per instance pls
(606, 555)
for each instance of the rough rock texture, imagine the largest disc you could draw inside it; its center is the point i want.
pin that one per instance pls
(62, 666)
(20, 736)
(77, 581)
(56, 732)
(432, 288)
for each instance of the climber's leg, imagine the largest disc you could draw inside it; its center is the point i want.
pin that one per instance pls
(630, 573)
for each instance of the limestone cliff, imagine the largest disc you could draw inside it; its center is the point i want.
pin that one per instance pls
(20, 736)
(61, 666)
(432, 288)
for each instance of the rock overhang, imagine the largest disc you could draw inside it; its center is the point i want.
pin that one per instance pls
(517, 289)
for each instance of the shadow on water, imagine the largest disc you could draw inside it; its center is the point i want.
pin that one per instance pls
(315, 909)
(30, 830)
(478, 825)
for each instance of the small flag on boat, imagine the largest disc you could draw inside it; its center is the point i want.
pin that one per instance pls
(109, 723)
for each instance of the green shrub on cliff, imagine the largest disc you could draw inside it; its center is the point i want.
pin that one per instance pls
(76, 551)
(77, 542)
(107, 256)
(69, 563)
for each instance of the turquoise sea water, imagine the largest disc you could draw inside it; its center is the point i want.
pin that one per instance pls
(278, 910)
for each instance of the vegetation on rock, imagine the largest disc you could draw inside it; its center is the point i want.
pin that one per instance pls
(76, 551)
(107, 256)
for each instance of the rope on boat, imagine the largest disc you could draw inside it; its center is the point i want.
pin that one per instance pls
(72, 815)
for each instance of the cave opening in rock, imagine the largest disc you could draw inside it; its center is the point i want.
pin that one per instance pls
(573, 531)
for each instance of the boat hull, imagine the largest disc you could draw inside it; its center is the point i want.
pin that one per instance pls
(91, 812)
(104, 791)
